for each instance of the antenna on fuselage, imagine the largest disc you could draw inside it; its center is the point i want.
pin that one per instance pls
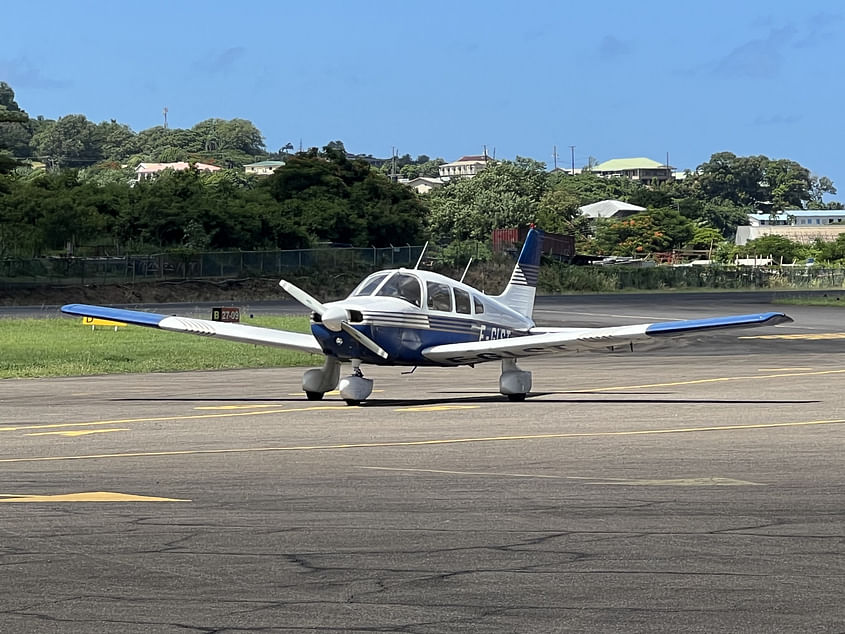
(465, 271)
(425, 246)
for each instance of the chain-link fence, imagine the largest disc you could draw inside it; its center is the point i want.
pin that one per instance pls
(191, 265)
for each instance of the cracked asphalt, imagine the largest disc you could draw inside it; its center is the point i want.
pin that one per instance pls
(694, 489)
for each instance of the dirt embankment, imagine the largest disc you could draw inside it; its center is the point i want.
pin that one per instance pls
(326, 287)
(144, 293)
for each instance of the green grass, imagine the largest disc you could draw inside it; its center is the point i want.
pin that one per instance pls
(830, 300)
(66, 347)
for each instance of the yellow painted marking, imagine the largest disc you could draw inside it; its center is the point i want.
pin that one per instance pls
(91, 496)
(78, 432)
(237, 406)
(719, 379)
(95, 321)
(430, 442)
(158, 419)
(807, 336)
(435, 408)
(625, 481)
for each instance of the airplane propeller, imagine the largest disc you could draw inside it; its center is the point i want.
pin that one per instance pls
(335, 318)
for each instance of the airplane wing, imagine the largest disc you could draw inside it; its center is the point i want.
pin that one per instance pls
(222, 330)
(563, 340)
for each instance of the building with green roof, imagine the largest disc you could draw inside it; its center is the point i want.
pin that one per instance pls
(638, 169)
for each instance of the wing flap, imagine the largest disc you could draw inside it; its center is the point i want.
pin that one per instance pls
(243, 333)
(574, 339)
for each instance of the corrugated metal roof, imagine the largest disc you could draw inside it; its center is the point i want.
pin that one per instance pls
(609, 208)
(622, 164)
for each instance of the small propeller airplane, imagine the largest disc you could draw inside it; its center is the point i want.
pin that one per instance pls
(412, 317)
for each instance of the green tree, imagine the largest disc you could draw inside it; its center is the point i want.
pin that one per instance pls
(776, 246)
(117, 141)
(70, 140)
(506, 194)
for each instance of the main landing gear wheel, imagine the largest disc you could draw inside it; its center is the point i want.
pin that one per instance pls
(514, 382)
(317, 381)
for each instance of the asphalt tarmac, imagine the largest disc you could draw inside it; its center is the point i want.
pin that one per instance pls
(697, 488)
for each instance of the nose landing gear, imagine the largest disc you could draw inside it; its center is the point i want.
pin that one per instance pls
(355, 388)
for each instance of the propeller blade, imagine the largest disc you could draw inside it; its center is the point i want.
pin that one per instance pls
(302, 297)
(364, 340)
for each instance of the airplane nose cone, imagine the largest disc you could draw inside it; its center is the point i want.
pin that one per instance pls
(333, 317)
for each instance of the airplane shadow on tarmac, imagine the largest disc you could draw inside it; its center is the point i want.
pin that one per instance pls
(461, 398)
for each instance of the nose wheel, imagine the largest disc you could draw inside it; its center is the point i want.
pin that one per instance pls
(355, 389)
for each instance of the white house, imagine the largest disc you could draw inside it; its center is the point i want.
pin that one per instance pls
(423, 184)
(638, 169)
(263, 168)
(464, 167)
(145, 171)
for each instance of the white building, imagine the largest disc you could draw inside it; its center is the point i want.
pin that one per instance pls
(423, 184)
(146, 171)
(799, 225)
(638, 169)
(263, 168)
(464, 167)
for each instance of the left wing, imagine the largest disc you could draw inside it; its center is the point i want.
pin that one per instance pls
(564, 340)
(222, 330)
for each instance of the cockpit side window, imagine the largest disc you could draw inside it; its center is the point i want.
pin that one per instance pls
(439, 296)
(462, 303)
(479, 306)
(403, 286)
(369, 285)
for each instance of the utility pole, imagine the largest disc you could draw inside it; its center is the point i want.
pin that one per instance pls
(572, 152)
(554, 154)
(165, 117)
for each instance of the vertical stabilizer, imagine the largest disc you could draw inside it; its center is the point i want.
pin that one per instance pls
(522, 287)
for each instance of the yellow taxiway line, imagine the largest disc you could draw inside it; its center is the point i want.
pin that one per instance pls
(428, 442)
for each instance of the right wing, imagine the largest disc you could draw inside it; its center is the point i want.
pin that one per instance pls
(222, 330)
(568, 340)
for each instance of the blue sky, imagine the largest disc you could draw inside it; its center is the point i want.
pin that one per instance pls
(614, 79)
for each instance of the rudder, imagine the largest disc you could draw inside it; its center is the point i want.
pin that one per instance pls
(522, 287)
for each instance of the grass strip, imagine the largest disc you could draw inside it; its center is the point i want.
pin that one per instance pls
(65, 347)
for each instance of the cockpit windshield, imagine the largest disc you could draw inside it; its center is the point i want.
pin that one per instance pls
(369, 285)
(404, 286)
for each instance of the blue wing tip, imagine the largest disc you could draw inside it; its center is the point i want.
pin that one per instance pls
(715, 323)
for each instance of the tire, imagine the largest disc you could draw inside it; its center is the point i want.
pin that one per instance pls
(314, 396)
(516, 398)
(351, 401)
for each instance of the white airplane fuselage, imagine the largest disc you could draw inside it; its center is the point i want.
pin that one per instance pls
(444, 311)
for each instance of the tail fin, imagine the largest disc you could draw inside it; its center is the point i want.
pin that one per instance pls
(522, 287)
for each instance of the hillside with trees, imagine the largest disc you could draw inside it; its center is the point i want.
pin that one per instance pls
(67, 185)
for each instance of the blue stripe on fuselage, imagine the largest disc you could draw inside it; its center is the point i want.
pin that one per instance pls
(403, 344)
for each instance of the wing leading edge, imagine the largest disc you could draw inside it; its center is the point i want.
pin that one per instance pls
(574, 339)
(233, 332)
